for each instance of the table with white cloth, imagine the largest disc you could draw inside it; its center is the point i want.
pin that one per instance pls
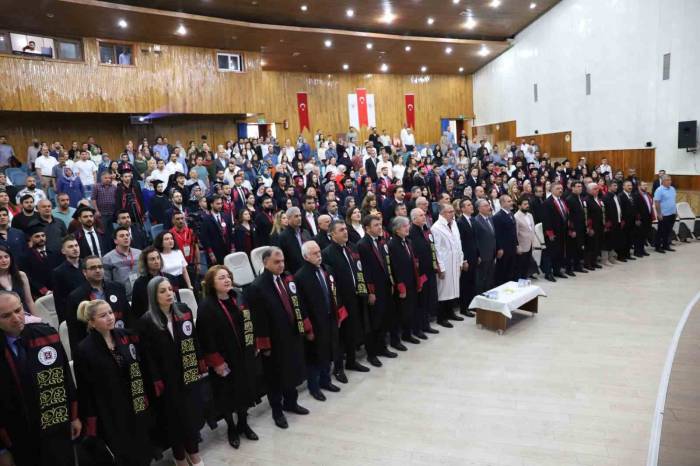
(496, 313)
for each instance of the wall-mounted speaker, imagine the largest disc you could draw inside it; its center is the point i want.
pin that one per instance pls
(687, 134)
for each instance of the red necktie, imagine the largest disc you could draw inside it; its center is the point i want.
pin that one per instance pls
(282, 291)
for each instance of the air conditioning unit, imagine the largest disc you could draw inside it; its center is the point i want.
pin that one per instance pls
(229, 62)
(139, 120)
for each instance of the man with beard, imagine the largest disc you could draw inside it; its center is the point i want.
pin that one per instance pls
(27, 215)
(39, 261)
(575, 242)
(91, 241)
(128, 197)
(67, 276)
(263, 222)
(645, 216)
(595, 227)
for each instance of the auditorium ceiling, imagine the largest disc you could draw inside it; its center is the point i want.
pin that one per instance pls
(329, 36)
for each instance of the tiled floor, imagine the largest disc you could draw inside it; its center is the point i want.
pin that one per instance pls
(575, 385)
(680, 432)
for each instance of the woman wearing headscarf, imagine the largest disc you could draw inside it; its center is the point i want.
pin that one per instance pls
(70, 184)
(171, 348)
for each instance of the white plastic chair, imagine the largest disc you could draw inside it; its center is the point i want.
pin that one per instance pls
(187, 297)
(46, 308)
(686, 215)
(256, 258)
(239, 264)
(63, 334)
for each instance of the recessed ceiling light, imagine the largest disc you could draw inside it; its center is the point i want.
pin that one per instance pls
(423, 69)
(346, 66)
(384, 68)
(430, 20)
(329, 75)
(303, 8)
(263, 63)
(484, 51)
(455, 1)
(495, 3)
(328, 43)
(49, 15)
(448, 50)
(533, 5)
(407, 48)
(470, 23)
(122, 23)
(369, 45)
(182, 30)
(349, 12)
(461, 69)
(387, 17)
(2, 38)
(296, 54)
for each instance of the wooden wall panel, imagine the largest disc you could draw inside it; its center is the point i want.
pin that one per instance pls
(497, 133)
(640, 159)
(557, 145)
(185, 80)
(687, 182)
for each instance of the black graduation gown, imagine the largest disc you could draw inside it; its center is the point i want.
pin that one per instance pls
(115, 295)
(289, 244)
(158, 208)
(65, 279)
(225, 331)
(36, 436)
(263, 227)
(216, 237)
(423, 250)
(113, 404)
(596, 224)
(244, 238)
(174, 365)
(613, 226)
(406, 279)
(378, 278)
(276, 331)
(322, 313)
(351, 330)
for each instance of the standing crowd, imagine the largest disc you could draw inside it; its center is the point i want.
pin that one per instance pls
(366, 245)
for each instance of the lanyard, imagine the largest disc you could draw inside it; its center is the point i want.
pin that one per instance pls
(130, 257)
(230, 319)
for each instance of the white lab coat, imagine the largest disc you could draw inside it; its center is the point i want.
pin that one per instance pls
(448, 246)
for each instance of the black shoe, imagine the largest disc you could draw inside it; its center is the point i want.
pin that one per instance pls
(644, 253)
(550, 277)
(432, 330)
(630, 258)
(411, 339)
(341, 377)
(296, 409)
(598, 266)
(373, 360)
(580, 270)
(590, 268)
(422, 336)
(469, 314)
(318, 396)
(233, 439)
(669, 249)
(455, 317)
(247, 432)
(281, 421)
(388, 354)
(399, 346)
(329, 387)
(445, 323)
(659, 250)
(621, 259)
(560, 275)
(356, 366)
(570, 273)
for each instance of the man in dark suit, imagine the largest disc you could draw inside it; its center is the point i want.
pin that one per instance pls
(138, 236)
(467, 281)
(657, 181)
(263, 222)
(595, 227)
(629, 216)
(280, 329)
(309, 216)
(92, 242)
(371, 164)
(390, 203)
(576, 243)
(485, 235)
(506, 241)
(424, 249)
(435, 183)
(67, 276)
(322, 238)
(96, 287)
(645, 216)
(614, 223)
(238, 192)
(377, 274)
(555, 221)
(291, 239)
(39, 261)
(216, 233)
(317, 292)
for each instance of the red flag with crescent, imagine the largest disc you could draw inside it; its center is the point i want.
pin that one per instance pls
(410, 110)
(303, 110)
(362, 107)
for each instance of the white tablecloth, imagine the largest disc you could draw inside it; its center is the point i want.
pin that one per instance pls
(510, 298)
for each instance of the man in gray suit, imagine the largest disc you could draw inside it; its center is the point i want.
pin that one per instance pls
(485, 235)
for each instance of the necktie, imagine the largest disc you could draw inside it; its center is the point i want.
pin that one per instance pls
(284, 297)
(43, 253)
(352, 269)
(298, 235)
(20, 353)
(324, 287)
(488, 220)
(94, 246)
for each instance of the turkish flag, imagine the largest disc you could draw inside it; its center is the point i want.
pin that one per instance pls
(303, 110)
(362, 107)
(410, 110)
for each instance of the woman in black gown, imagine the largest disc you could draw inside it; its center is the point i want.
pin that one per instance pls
(112, 399)
(225, 332)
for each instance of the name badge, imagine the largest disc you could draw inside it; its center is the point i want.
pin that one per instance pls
(186, 250)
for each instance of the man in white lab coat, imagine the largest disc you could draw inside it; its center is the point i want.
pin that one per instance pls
(448, 246)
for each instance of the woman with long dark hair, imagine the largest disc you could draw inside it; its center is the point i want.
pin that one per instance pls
(13, 279)
(173, 261)
(171, 349)
(244, 232)
(225, 332)
(150, 265)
